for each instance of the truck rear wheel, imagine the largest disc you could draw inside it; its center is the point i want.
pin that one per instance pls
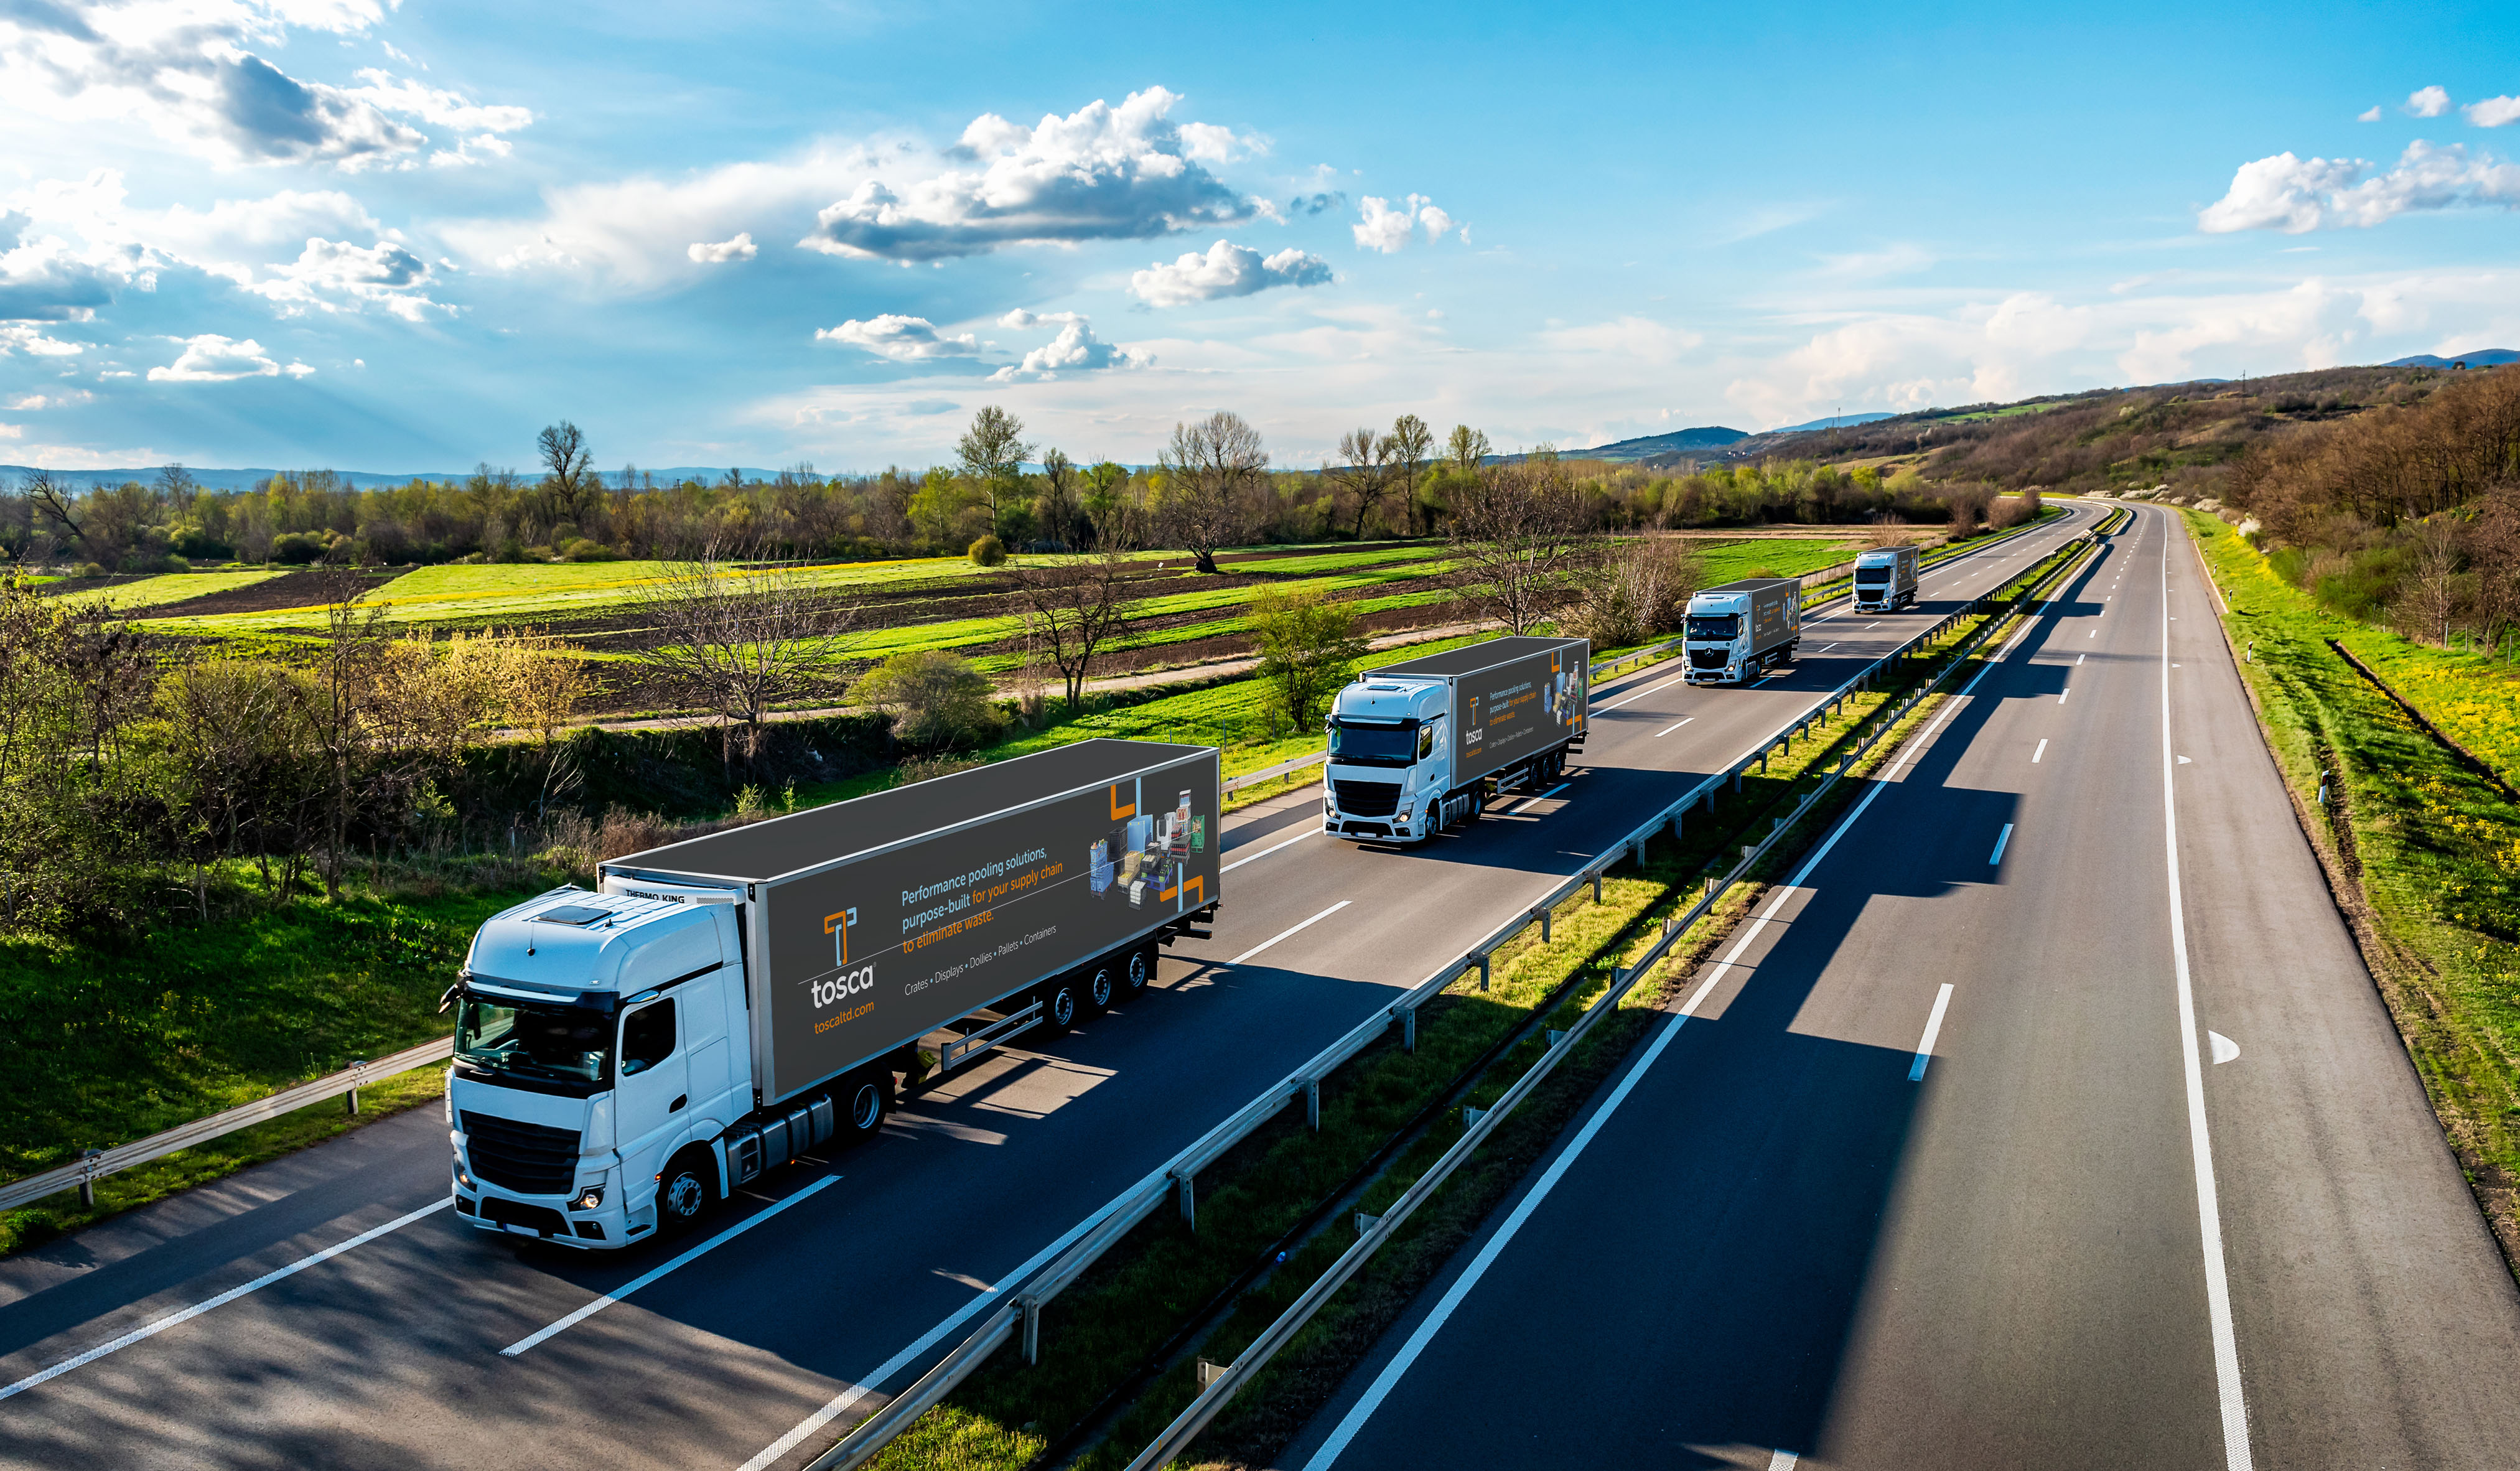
(1062, 1002)
(863, 1100)
(1139, 970)
(686, 1192)
(1101, 984)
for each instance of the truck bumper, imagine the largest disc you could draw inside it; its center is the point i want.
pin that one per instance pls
(546, 1218)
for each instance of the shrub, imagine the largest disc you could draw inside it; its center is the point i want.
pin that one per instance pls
(935, 699)
(1636, 591)
(298, 547)
(91, 569)
(988, 551)
(1309, 647)
(582, 550)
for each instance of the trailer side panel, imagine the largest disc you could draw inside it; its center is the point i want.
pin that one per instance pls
(1517, 709)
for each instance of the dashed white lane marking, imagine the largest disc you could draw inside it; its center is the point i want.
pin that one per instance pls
(2041, 751)
(2001, 839)
(1933, 1029)
(1530, 803)
(1639, 694)
(1265, 852)
(1291, 930)
(1673, 725)
(2061, 693)
(173, 1319)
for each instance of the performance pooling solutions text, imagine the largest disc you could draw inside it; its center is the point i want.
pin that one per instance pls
(956, 904)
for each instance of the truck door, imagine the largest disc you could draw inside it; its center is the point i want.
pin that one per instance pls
(654, 1092)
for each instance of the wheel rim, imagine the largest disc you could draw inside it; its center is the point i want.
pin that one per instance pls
(683, 1195)
(1062, 1006)
(1137, 972)
(1101, 986)
(866, 1107)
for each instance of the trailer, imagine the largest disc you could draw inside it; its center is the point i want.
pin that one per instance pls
(626, 1057)
(1417, 749)
(1735, 631)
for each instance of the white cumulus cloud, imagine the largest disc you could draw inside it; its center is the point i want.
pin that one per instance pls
(333, 276)
(2297, 195)
(1388, 230)
(69, 398)
(2427, 102)
(1226, 270)
(2371, 116)
(213, 359)
(740, 247)
(2494, 112)
(904, 339)
(1075, 349)
(1100, 173)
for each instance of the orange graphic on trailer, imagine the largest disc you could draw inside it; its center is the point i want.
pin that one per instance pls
(840, 924)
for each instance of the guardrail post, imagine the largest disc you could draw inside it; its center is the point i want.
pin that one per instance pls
(358, 1075)
(1546, 914)
(1409, 1029)
(1313, 1104)
(1737, 773)
(1184, 1187)
(1597, 888)
(1030, 1307)
(87, 1161)
(1483, 972)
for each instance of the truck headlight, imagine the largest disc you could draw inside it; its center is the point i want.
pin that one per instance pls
(589, 1199)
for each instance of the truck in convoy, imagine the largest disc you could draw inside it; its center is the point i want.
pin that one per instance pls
(1417, 749)
(627, 1056)
(1885, 579)
(1737, 631)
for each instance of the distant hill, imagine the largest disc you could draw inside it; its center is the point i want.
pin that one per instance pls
(2489, 357)
(1834, 422)
(1678, 442)
(363, 479)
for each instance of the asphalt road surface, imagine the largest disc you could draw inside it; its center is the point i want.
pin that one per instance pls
(840, 1277)
(2050, 1119)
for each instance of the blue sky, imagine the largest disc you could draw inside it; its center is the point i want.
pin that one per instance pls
(397, 237)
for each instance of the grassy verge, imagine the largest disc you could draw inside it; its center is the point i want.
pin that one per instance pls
(1096, 1336)
(2423, 854)
(115, 1041)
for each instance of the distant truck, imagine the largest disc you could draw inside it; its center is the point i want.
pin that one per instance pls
(1885, 579)
(1417, 748)
(1737, 631)
(624, 1060)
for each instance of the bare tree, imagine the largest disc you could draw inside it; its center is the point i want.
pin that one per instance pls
(1363, 474)
(1466, 450)
(742, 638)
(1057, 498)
(1406, 447)
(1209, 469)
(56, 503)
(568, 472)
(2432, 585)
(1520, 535)
(1071, 609)
(992, 451)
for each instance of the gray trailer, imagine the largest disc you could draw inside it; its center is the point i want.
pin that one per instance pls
(625, 1058)
(1416, 746)
(1737, 631)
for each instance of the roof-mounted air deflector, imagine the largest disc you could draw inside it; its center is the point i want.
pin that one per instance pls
(578, 914)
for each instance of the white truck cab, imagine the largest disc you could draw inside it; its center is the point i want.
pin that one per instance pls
(1390, 760)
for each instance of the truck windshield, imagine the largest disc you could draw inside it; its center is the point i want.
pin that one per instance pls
(1719, 626)
(535, 1039)
(1872, 575)
(1373, 745)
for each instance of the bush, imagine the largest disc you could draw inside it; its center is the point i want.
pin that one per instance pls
(1309, 647)
(1633, 593)
(935, 699)
(988, 551)
(91, 569)
(298, 547)
(582, 550)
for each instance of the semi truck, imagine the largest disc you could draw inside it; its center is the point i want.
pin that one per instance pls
(1417, 749)
(627, 1055)
(1737, 631)
(1885, 579)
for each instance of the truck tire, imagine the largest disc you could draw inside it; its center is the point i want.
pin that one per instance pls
(1101, 984)
(686, 1192)
(860, 1103)
(1063, 1003)
(1139, 971)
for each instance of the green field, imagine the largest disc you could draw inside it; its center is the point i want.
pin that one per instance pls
(170, 586)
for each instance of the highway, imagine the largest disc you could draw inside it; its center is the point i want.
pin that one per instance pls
(833, 1280)
(2047, 1117)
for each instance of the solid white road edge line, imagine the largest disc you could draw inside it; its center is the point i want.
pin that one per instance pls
(1673, 725)
(2209, 1208)
(563, 1325)
(839, 1404)
(1384, 1382)
(1933, 1029)
(1639, 694)
(2001, 839)
(1283, 934)
(1265, 852)
(152, 1330)
(2041, 751)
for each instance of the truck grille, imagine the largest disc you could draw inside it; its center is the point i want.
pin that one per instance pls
(541, 1218)
(1369, 799)
(1708, 659)
(525, 1157)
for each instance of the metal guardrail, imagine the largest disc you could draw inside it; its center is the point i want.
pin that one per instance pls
(1217, 1391)
(1272, 773)
(1177, 1177)
(101, 1163)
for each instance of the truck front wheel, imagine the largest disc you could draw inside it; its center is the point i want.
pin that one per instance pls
(686, 1192)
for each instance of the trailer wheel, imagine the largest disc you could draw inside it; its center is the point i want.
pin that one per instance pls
(1101, 985)
(686, 1192)
(864, 1100)
(1141, 970)
(1062, 1002)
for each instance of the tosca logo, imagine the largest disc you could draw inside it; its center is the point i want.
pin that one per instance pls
(833, 989)
(838, 926)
